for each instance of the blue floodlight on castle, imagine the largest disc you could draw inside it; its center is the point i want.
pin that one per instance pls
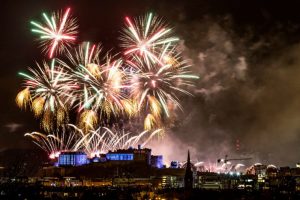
(72, 159)
(95, 159)
(157, 161)
(119, 156)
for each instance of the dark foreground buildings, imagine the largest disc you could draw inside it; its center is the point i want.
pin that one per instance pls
(136, 174)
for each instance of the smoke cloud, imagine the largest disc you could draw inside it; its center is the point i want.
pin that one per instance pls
(248, 92)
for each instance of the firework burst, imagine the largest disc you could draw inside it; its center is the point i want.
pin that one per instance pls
(156, 85)
(58, 32)
(144, 36)
(100, 85)
(50, 89)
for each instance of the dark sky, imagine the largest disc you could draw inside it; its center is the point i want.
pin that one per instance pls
(246, 53)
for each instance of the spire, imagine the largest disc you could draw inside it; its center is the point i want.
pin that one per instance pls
(188, 177)
(188, 163)
(188, 158)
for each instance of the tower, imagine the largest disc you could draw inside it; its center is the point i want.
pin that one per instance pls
(188, 177)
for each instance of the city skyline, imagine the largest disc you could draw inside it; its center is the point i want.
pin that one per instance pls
(246, 57)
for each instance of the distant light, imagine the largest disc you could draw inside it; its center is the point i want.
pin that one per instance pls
(231, 173)
(119, 156)
(238, 173)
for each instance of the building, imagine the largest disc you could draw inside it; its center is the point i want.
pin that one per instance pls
(121, 156)
(157, 161)
(72, 159)
(120, 163)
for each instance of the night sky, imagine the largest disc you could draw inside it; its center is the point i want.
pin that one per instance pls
(245, 52)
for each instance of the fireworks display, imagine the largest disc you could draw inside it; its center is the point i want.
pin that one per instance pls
(101, 90)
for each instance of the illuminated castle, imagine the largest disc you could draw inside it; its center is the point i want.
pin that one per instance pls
(121, 156)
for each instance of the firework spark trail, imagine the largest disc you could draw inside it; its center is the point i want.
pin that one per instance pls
(93, 142)
(86, 55)
(23, 98)
(104, 139)
(58, 32)
(55, 143)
